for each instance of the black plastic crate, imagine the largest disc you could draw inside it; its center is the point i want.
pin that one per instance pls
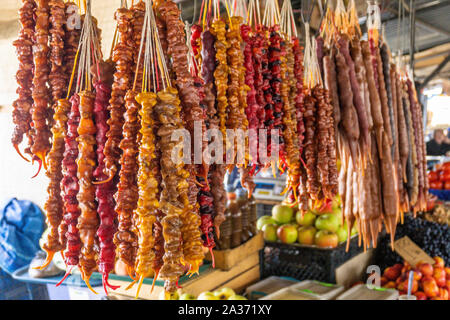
(263, 209)
(305, 263)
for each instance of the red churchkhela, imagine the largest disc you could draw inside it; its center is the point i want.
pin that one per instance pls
(104, 191)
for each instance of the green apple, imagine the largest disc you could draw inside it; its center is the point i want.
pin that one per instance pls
(328, 222)
(282, 214)
(342, 234)
(207, 295)
(306, 235)
(326, 239)
(287, 233)
(173, 296)
(187, 296)
(354, 230)
(270, 232)
(337, 211)
(305, 220)
(336, 202)
(345, 225)
(224, 293)
(264, 220)
(237, 297)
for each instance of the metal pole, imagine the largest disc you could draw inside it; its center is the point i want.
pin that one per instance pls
(412, 26)
(435, 72)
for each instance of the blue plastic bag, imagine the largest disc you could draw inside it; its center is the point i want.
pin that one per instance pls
(21, 227)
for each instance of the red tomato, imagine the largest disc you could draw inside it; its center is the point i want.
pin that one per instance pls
(445, 176)
(446, 166)
(436, 185)
(433, 176)
(447, 185)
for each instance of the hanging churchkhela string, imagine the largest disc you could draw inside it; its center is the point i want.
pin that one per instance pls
(54, 205)
(174, 200)
(148, 184)
(23, 104)
(41, 95)
(204, 43)
(102, 81)
(238, 89)
(86, 162)
(248, 100)
(288, 96)
(274, 106)
(191, 113)
(220, 79)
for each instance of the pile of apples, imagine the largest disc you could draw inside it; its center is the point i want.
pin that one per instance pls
(322, 227)
(220, 294)
(430, 281)
(440, 178)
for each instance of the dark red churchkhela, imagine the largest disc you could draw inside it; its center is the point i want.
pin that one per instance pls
(253, 108)
(69, 185)
(104, 191)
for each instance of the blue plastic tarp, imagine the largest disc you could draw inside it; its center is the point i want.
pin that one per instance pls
(21, 227)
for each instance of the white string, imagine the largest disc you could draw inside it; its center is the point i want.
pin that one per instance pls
(373, 16)
(89, 51)
(287, 23)
(399, 14)
(312, 75)
(192, 61)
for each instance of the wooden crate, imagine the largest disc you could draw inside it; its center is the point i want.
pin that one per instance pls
(237, 278)
(226, 259)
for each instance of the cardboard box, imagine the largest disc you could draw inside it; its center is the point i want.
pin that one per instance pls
(226, 259)
(355, 269)
(237, 278)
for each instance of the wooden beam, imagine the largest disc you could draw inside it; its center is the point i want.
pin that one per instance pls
(435, 71)
(429, 61)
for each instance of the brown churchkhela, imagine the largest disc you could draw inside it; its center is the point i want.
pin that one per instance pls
(191, 113)
(288, 96)
(383, 94)
(58, 79)
(71, 39)
(127, 190)
(348, 110)
(375, 104)
(54, 207)
(218, 30)
(330, 81)
(69, 184)
(121, 137)
(123, 57)
(236, 118)
(41, 95)
(358, 100)
(24, 76)
(310, 146)
(174, 195)
(88, 220)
